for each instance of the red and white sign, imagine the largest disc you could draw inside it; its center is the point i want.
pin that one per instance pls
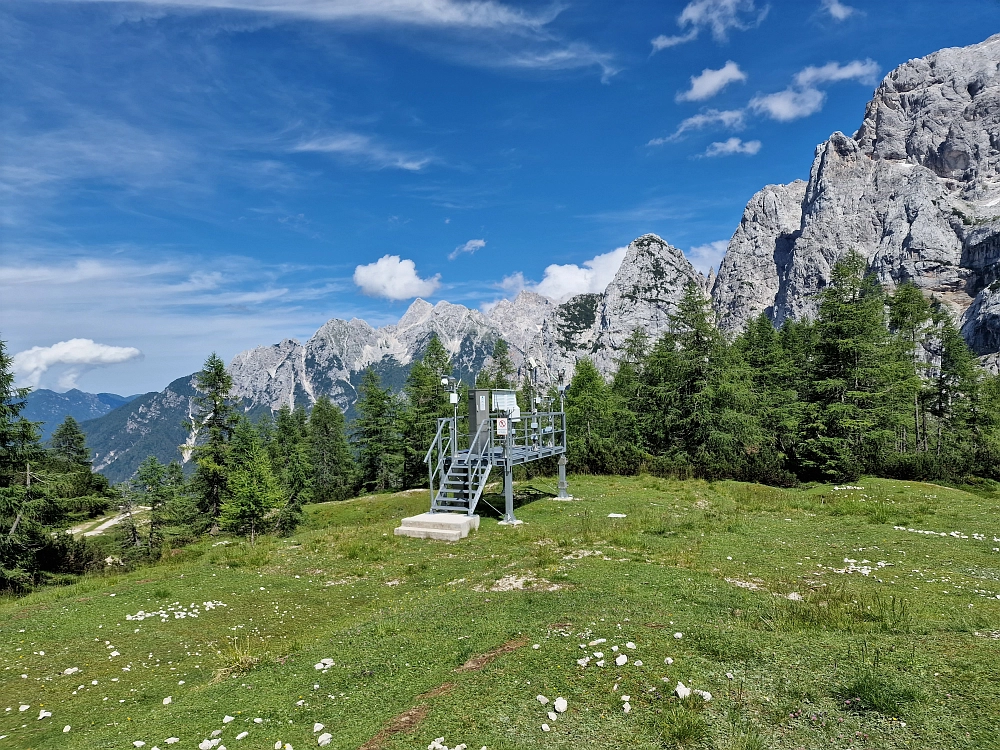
(502, 426)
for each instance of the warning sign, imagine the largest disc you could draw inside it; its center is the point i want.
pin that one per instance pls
(502, 426)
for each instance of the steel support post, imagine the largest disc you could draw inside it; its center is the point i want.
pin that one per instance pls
(508, 494)
(563, 486)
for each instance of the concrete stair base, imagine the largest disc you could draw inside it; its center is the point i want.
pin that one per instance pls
(448, 527)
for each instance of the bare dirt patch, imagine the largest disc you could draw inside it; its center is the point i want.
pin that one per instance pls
(409, 720)
(480, 661)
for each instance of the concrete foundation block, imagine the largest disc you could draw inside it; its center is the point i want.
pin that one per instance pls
(449, 527)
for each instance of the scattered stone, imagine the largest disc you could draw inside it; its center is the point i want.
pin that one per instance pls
(681, 691)
(560, 705)
(242, 735)
(668, 661)
(627, 707)
(621, 659)
(227, 718)
(66, 728)
(553, 715)
(630, 645)
(167, 701)
(324, 739)
(616, 515)
(541, 699)
(43, 714)
(317, 727)
(545, 727)
(678, 636)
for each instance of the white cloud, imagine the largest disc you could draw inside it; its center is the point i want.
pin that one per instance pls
(469, 247)
(719, 16)
(572, 55)
(790, 104)
(561, 282)
(484, 14)
(802, 98)
(732, 119)
(711, 82)
(708, 256)
(838, 11)
(862, 71)
(365, 149)
(393, 278)
(732, 146)
(78, 355)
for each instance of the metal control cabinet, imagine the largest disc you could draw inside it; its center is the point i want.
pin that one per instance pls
(479, 412)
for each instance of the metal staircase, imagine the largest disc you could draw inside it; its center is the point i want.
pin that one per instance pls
(457, 479)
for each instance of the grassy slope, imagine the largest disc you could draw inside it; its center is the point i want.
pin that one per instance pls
(399, 615)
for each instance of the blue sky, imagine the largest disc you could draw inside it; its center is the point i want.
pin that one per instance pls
(198, 175)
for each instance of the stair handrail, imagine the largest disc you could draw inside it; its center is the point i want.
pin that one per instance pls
(443, 447)
(477, 460)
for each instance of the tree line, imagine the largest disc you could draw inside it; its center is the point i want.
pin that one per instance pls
(877, 383)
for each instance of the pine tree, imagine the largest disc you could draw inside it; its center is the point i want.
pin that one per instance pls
(252, 493)
(332, 463)
(19, 442)
(863, 385)
(214, 421)
(909, 312)
(376, 435)
(154, 490)
(426, 402)
(69, 444)
(296, 483)
(500, 373)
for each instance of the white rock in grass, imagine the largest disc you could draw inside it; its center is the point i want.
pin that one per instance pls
(277, 745)
(541, 699)
(621, 659)
(227, 718)
(23, 707)
(678, 636)
(66, 728)
(167, 701)
(138, 743)
(553, 715)
(614, 649)
(626, 698)
(216, 733)
(584, 661)
(681, 691)
(560, 705)
(242, 735)
(258, 720)
(706, 696)
(627, 707)
(545, 727)
(43, 714)
(317, 727)
(172, 740)
(205, 745)
(536, 646)
(324, 739)
(638, 662)
(598, 654)
(616, 515)
(319, 665)
(598, 642)
(668, 661)
(600, 663)
(327, 661)
(630, 645)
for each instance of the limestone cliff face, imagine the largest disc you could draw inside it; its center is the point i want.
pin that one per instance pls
(916, 190)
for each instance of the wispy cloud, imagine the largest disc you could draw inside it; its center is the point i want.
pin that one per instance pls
(175, 308)
(732, 146)
(481, 14)
(562, 57)
(365, 149)
(710, 82)
(732, 119)
(839, 11)
(469, 247)
(717, 16)
(803, 98)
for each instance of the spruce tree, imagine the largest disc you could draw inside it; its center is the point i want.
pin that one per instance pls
(426, 402)
(252, 492)
(182, 520)
(19, 442)
(500, 372)
(863, 385)
(153, 489)
(296, 483)
(69, 444)
(333, 467)
(909, 313)
(214, 421)
(376, 435)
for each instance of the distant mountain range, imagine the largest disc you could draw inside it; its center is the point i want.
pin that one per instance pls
(51, 408)
(916, 190)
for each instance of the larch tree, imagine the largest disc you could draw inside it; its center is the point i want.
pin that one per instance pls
(333, 468)
(214, 421)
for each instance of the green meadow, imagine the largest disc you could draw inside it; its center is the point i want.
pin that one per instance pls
(819, 617)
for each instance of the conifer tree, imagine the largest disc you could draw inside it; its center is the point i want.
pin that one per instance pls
(182, 520)
(332, 462)
(214, 422)
(69, 444)
(500, 373)
(909, 312)
(376, 435)
(862, 386)
(19, 442)
(296, 483)
(426, 402)
(153, 488)
(252, 492)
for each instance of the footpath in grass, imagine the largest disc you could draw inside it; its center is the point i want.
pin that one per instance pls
(826, 617)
